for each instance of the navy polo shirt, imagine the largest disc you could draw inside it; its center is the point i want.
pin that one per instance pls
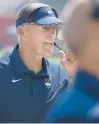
(25, 96)
(81, 104)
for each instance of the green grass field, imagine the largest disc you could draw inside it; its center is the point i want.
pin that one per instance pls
(55, 59)
(0, 54)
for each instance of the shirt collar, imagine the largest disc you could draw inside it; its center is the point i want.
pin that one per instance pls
(88, 83)
(21, 68)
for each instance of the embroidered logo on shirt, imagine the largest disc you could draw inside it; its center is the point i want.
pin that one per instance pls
(48, 83)
(14, 81)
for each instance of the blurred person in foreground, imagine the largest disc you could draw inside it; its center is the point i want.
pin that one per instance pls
(81, 34)
(29, 83)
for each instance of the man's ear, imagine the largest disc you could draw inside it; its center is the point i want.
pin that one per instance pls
(20, 31)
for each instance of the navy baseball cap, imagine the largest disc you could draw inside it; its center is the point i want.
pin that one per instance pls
(37, 13)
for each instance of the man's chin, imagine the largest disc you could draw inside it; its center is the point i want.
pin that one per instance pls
(48, 54)
(45, 54)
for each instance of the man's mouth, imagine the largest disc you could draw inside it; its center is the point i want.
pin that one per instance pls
(48, 43)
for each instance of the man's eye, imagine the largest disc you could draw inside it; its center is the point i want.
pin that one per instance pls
(46, 27)
(49, 27)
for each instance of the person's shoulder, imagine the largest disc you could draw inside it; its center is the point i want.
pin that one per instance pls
(58, 76)
(58, 73)
(52, 63)
(4, 62)
(71, 107)
(56, 68)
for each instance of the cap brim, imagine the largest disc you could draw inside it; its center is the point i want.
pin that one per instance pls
(49, 20)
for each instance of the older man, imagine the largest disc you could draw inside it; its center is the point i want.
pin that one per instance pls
(28, 81)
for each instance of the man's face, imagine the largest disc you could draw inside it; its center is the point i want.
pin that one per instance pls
(41, 38)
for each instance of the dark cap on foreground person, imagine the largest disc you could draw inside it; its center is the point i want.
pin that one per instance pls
(37, 13)
(81, 33)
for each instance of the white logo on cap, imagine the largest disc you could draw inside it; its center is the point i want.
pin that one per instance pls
(49, 11)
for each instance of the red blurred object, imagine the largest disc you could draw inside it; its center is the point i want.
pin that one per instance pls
(5, 22)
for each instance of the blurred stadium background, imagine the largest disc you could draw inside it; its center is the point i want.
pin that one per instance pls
(8, 11)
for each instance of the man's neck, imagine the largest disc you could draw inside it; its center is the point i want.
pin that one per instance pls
(30, 59)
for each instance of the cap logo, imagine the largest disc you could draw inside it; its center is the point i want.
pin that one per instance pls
(49, 11)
